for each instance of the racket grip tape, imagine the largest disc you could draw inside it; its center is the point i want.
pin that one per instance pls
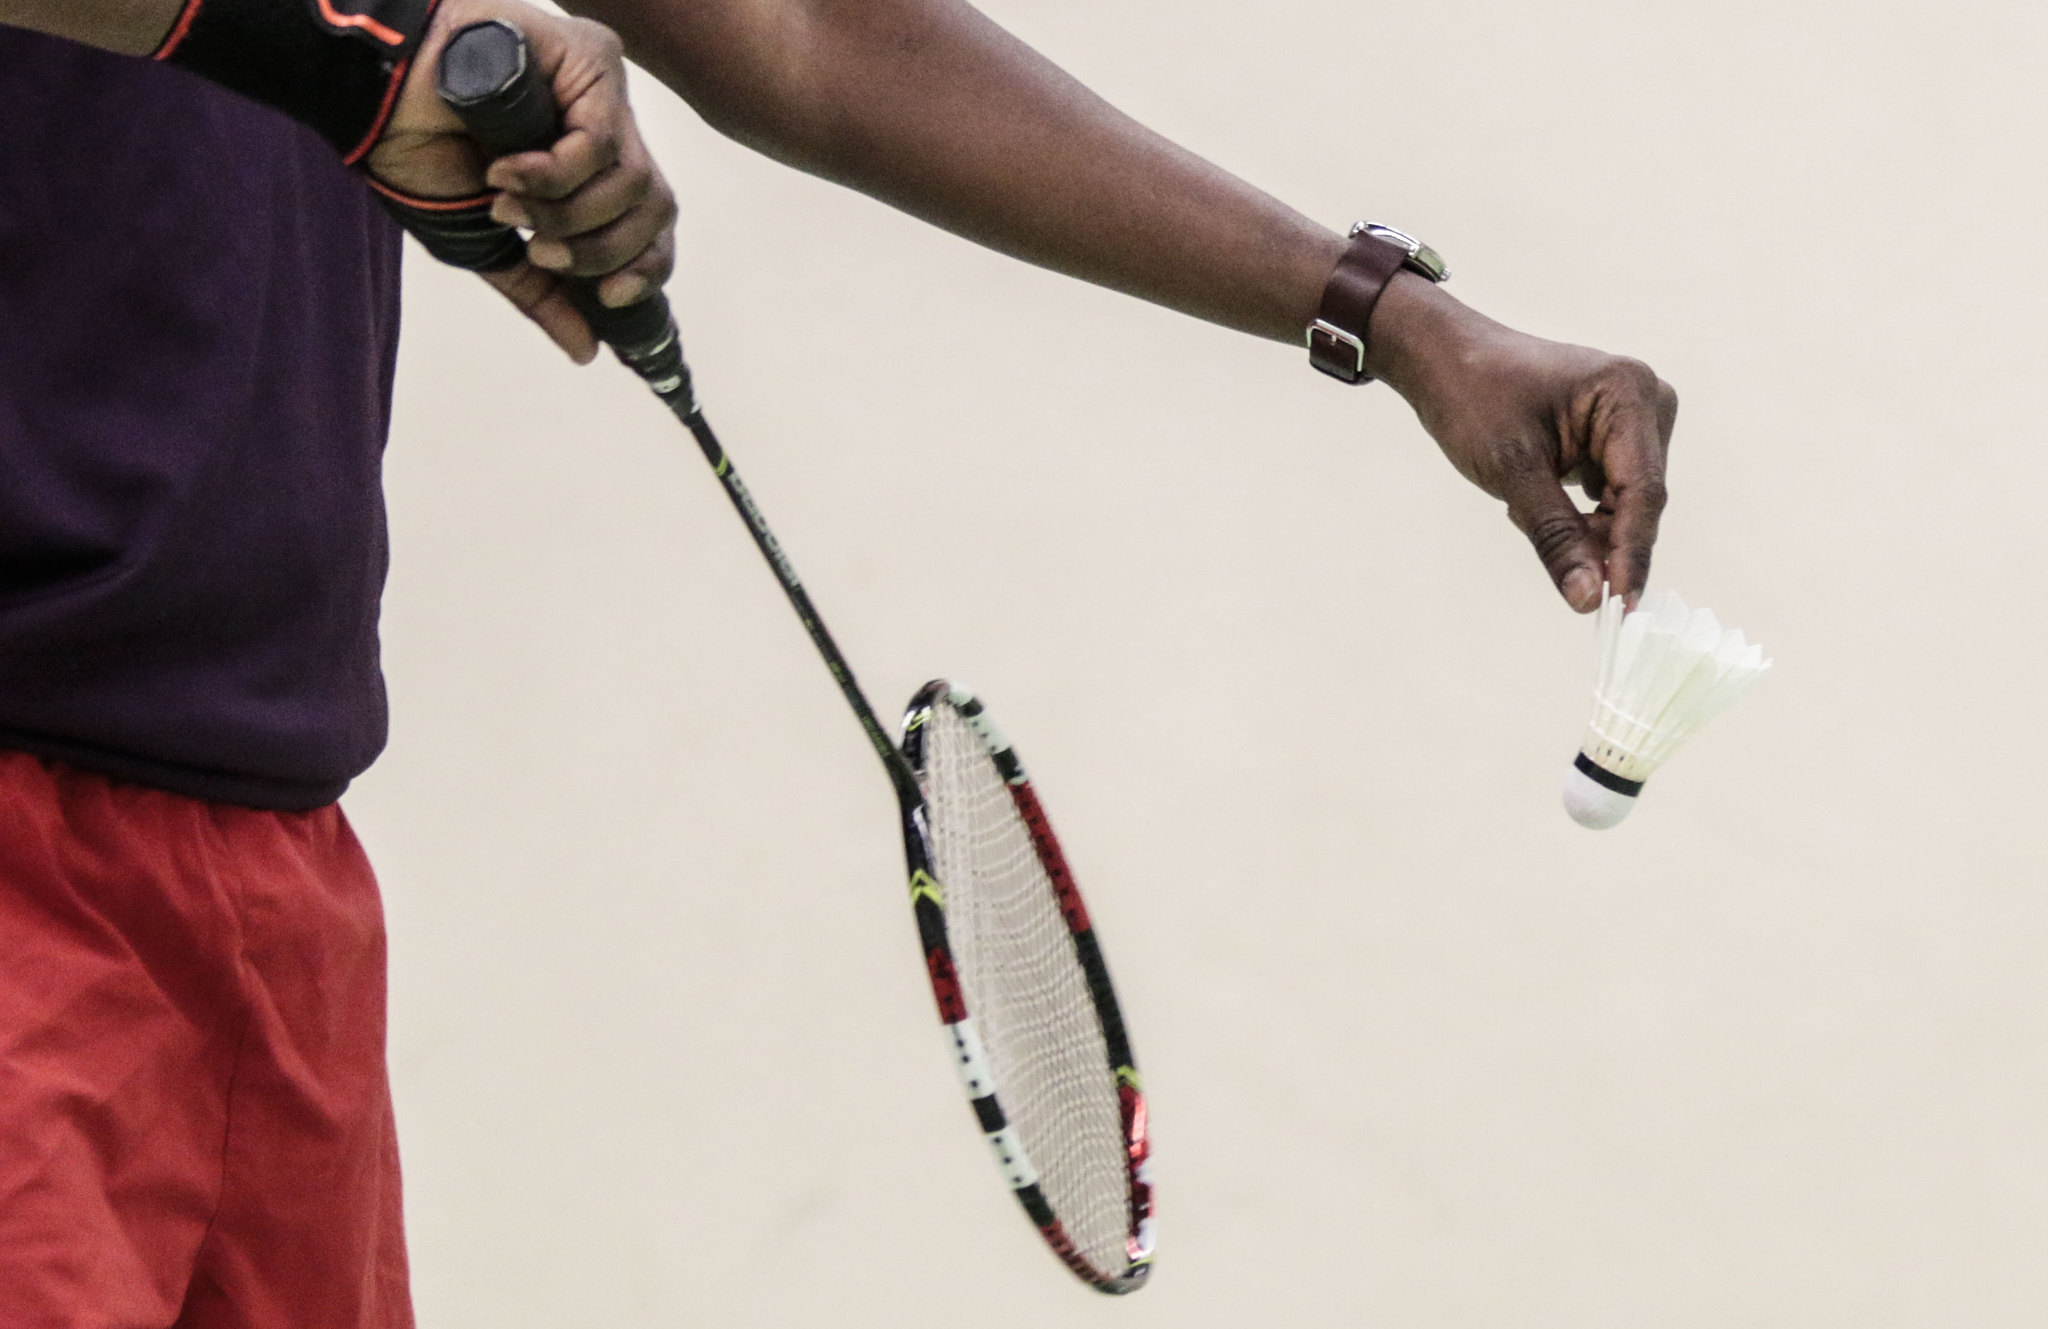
(487, 76)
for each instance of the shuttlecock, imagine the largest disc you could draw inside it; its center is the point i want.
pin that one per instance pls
(1661, 671)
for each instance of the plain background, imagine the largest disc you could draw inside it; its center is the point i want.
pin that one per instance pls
(1421, 1051)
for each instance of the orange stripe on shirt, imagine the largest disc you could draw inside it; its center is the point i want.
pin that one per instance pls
(377, 30)
(362, 149)
(176, 35)
(431, 204)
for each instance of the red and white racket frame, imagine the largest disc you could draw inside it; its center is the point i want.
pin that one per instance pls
(928, 900)
(517, 113)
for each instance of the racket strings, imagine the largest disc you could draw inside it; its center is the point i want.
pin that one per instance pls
(1028, 994)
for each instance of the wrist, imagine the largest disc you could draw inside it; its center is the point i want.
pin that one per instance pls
(1417, 325)
(1340, 337)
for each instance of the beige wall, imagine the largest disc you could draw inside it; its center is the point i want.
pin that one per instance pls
(1422, 1052)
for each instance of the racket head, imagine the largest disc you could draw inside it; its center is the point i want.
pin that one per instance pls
(1030, 1015)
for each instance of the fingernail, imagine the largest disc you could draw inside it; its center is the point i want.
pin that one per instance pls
(508, 213)
(550, 254)
(501, 176)
(1582, 589)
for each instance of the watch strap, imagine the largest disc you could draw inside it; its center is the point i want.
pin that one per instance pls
(1337, 338)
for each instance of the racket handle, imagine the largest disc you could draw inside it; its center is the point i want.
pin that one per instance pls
(488, 78)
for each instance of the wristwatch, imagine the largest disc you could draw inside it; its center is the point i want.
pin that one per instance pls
(1336, 340)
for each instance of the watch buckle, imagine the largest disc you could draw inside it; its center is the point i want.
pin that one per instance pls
(1326, 345)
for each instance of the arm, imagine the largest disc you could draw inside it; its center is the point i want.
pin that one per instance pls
(929, 106)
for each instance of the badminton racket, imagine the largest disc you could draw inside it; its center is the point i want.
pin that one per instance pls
(1031, 1020)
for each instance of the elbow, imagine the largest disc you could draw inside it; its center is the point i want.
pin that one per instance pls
(754, 70)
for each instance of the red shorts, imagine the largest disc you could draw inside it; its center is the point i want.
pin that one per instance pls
(195, 1126)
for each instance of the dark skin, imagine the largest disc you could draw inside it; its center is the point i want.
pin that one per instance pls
(597, 179)
(929, 106)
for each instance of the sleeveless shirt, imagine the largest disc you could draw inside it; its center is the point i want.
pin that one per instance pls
(198, 328)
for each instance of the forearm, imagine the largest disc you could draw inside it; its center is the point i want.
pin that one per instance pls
(929, 106)
(132, 27)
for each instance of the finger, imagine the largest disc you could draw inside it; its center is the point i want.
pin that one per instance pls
(541, 297)
(609, 224)
(590, 83)
(605, 198)
(1638, 504)
(643, 276)
(578, 157)
(642, 234)
(1636, 492)
(1600, 526)
(1562, 538)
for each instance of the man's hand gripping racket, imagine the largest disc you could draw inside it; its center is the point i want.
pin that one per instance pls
(1030, 1016)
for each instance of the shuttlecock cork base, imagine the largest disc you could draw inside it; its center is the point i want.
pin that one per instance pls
(1595, 797)
(1661, 672)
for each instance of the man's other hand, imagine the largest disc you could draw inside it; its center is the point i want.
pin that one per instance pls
(1522, 417)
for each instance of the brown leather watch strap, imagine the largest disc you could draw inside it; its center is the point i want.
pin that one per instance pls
(1336, 340)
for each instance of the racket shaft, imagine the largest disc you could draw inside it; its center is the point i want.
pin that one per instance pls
(683, 402)
(489, 80)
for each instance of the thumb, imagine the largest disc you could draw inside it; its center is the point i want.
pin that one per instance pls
(1562, 537)
(539, 294)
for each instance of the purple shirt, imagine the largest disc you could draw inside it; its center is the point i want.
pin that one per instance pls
(198, 323)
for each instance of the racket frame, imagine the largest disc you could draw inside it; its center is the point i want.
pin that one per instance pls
(928, 900)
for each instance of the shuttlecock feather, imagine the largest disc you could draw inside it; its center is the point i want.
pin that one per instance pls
(1661, 671)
